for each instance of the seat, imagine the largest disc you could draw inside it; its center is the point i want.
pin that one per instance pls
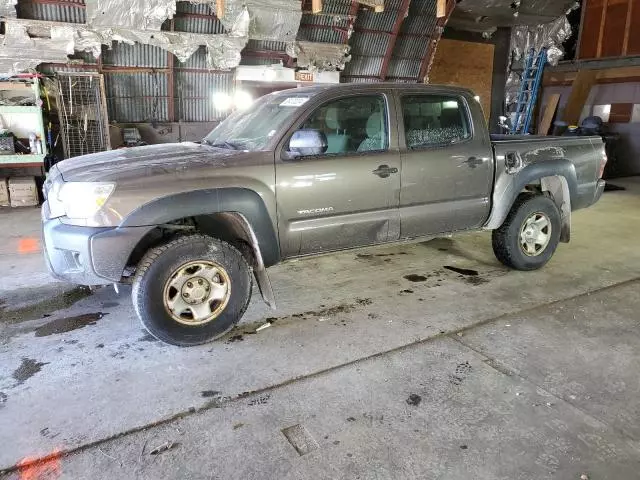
(337, 140)
(375, 130)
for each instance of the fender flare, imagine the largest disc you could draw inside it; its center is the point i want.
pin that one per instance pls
(510, 186)
(205, 202)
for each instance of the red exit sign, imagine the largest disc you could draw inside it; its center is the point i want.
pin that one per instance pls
(304, 76)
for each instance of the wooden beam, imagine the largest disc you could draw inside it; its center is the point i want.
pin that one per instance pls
(603, 19)
(583, 12)
(609, 75)
(432, 44)
(548, 114)
(585, 79)
(441, 8)
(627, 27)
(353, 14)
(171, 113)
(219, 8)
(402, 13)
(316, 6)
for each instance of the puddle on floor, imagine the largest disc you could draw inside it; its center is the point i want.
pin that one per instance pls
(44, 308)
(67, 324)
(27, 369)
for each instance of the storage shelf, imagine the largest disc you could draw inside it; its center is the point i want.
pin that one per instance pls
(31, 158)
(19, 109)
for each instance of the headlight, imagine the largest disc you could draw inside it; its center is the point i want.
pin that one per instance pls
(82, 200)
(56, 208)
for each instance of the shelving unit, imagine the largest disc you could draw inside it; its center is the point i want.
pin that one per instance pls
(22, 120)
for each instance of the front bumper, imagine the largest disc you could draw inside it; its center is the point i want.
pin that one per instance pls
(88, 255)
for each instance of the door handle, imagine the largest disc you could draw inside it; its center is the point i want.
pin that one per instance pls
(383, 171)
(473, 162)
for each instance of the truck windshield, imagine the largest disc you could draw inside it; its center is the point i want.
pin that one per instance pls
(253, 129)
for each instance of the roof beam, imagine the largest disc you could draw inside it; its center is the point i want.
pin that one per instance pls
(402, 13)
(353, 13)
(430, 52)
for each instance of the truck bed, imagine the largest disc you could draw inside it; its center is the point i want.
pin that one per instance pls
(582, 152)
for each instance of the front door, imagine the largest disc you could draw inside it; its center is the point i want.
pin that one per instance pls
(447, 170)
(347, 196)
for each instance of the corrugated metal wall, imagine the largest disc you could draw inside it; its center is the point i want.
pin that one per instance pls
(145, 83)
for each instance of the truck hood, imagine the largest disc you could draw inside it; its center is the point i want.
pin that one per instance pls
(136, 162)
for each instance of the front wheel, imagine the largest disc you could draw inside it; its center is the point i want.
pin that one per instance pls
(530, 234)
(192, 290)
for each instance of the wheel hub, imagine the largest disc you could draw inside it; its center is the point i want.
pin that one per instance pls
(535, 234)
(197, 292)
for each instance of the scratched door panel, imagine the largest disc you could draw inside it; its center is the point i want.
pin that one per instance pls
(347, 196)
(447, 164)
(334, 203)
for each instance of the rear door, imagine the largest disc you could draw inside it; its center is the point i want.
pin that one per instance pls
(349, 195)
(447, 169)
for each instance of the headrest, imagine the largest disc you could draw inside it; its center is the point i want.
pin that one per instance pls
(331, 118)
(374, 125)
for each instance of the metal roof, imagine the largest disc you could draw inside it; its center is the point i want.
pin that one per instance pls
(392, 44)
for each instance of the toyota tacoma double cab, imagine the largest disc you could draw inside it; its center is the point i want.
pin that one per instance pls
(303, 172)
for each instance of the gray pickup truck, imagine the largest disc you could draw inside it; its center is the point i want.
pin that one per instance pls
(303, 172)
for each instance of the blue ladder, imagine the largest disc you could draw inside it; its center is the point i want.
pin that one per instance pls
(528, 92)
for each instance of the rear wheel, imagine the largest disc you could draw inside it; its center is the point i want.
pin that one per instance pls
(192, 290)
(530, 234)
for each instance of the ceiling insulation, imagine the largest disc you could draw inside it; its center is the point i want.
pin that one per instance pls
(485, 15)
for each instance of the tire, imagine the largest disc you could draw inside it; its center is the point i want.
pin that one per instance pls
(507, 240)
(159, 294)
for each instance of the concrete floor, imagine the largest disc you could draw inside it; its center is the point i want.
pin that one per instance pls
(500, 375)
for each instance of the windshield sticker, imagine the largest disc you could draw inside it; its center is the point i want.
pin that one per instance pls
(294, 101)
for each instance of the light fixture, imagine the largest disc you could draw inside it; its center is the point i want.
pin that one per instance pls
(221, 101)
(242, 99)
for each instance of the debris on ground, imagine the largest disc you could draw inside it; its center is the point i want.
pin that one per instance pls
(263, 326)
(168, 445)
(414, 399)
(584, 477)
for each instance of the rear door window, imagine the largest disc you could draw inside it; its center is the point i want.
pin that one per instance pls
(434, 120)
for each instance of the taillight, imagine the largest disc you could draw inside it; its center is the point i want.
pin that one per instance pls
(603, 163)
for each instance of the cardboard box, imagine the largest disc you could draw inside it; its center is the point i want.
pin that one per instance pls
(4, 193)
(23, 192)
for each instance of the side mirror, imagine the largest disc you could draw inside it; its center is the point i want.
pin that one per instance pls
(307, 142)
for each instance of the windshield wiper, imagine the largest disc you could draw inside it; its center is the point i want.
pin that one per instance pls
(227, 145)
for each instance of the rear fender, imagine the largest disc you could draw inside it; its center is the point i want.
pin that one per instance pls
(557, 177)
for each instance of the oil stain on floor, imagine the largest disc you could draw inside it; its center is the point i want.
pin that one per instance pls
(27, 369)
(44, 308)
(415, 278)
(462, 271)
(67, 324)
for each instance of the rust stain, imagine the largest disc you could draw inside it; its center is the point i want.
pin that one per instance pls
(28, 245)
